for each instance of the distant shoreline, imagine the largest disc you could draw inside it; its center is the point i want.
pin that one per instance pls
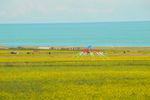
(73, 46)
(69, 48)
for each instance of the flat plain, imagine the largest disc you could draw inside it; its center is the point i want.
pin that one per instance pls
(123, 74)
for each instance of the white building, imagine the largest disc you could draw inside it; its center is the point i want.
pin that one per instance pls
(44, 48)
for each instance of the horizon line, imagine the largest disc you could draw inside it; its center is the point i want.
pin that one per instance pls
(76, 22)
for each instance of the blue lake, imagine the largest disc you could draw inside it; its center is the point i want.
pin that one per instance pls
(76, 34)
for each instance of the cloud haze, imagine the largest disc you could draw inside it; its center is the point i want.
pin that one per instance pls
(73, 10)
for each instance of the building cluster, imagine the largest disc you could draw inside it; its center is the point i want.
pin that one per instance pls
(59, 48)
(43, 48)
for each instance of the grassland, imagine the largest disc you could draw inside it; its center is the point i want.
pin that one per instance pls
(61, 76)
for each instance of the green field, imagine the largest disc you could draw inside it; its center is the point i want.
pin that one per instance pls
(61, 76)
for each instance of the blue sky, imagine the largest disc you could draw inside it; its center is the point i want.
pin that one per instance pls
(63, 11)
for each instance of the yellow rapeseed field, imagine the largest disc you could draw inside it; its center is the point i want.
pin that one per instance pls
(61, 76)
(75, 83)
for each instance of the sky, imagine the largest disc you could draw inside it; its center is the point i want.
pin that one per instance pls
(70, 11)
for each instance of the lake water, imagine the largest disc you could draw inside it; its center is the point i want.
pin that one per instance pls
(76, 34)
